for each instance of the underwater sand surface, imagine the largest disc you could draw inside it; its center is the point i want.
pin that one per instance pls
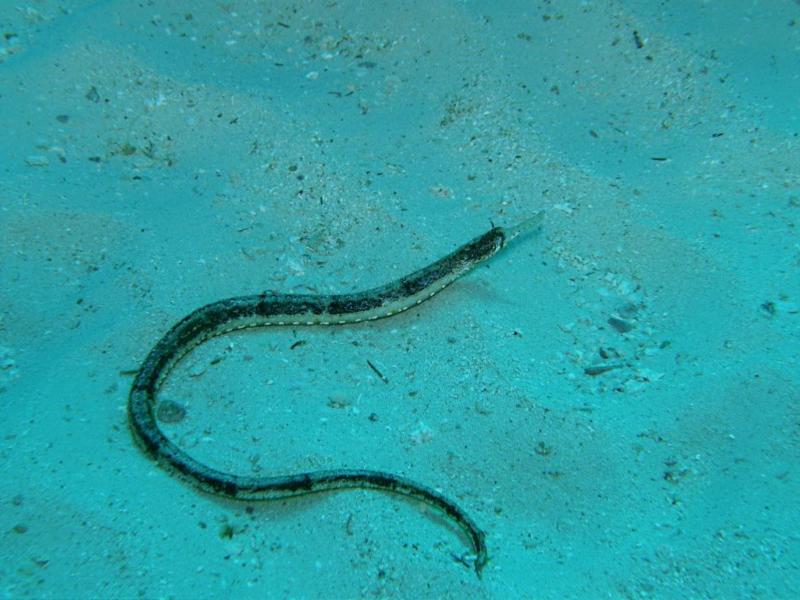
(615, 401)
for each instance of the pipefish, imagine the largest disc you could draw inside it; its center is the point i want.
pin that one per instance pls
(294, 310)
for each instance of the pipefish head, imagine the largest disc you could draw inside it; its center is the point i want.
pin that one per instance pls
(479, 249)
(487, 245)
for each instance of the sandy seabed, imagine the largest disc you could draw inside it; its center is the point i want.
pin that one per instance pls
(615, 400)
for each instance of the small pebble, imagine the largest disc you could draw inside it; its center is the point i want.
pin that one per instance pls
(92, 95)
(170, 412)
(621, 325)
(197, 369)
(37, 160)
(595, 370)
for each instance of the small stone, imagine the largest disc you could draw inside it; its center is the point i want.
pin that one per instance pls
(338, 400)
(37, 160)
(170, 412)
(198, 369)
(621, 325)
(595, 370)
(92, 95)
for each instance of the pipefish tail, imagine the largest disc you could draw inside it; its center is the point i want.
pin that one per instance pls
(294, 310)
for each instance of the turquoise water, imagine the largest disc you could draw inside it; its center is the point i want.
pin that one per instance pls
(614, 401)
